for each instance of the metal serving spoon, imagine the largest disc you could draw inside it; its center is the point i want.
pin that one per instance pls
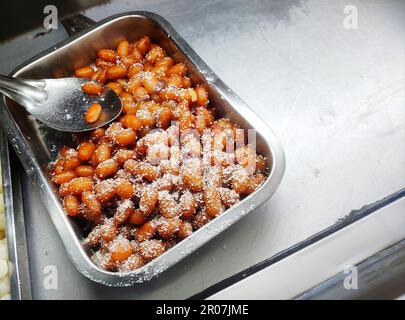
(61, 103)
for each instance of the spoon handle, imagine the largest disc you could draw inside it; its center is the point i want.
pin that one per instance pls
(23, 90)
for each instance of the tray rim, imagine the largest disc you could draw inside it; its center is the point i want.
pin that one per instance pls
(83, 263)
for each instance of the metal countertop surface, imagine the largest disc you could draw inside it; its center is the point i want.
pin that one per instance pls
(334, 96)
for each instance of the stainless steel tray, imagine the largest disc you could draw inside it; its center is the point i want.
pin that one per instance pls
(36, 145)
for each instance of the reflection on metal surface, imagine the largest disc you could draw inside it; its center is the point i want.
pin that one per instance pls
(382, 276)
(351, 218)
(323, 259)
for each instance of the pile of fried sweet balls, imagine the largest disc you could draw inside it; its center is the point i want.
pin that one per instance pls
(164, 169)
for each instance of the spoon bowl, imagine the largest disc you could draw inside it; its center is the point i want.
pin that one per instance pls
(61, 103)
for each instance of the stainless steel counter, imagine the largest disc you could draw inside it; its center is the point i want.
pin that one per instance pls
(334, 96)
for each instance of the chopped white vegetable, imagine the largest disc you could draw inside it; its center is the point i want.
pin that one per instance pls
(2, 221)
(3, 268)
